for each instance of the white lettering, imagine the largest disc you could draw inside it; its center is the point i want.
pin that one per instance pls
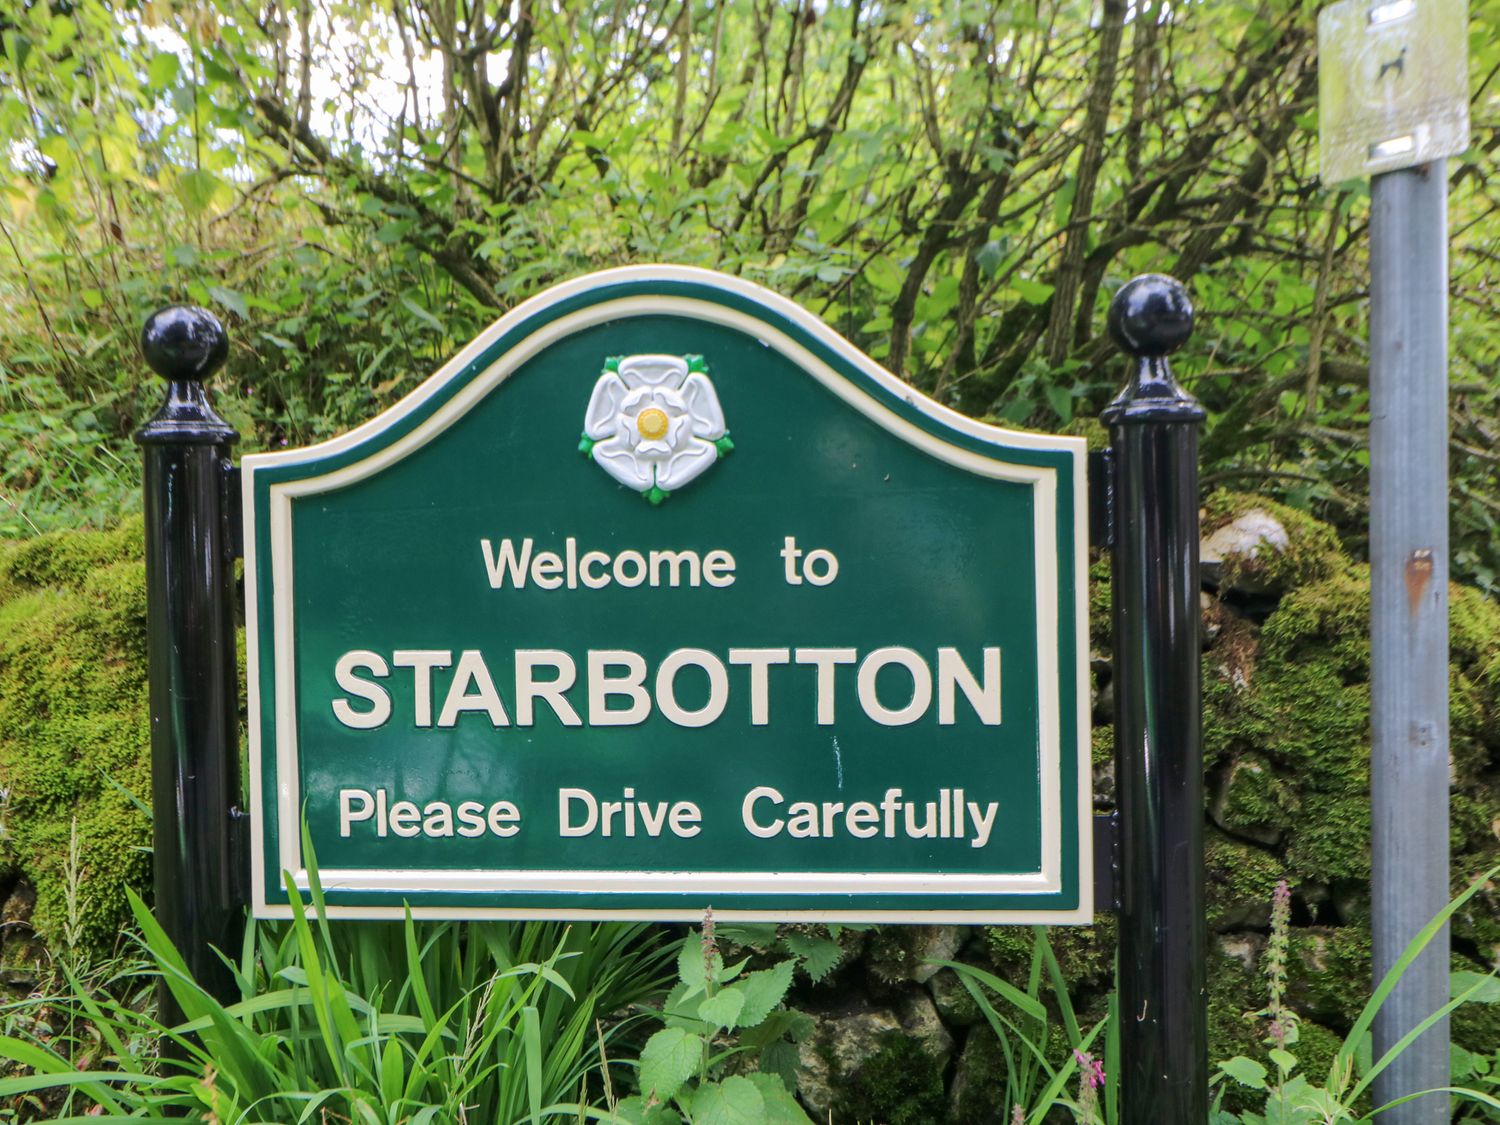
(759, 661)
(404, 819)
(602, 686)
(789, 557)
(747, 812)
(546, 570)
(347, 815)
(468, 816)
(984, 820)
(507, 562)
(565, 825)
(823, 560)
(983, 697)
(472, 670)
(377, 696)
(503, 817)
(666, 690)
(637, 562)
(676, 560)
(552, 692)
(921, 691)
(422, 661)
(586, 572)
(718, 569)
(825, 659)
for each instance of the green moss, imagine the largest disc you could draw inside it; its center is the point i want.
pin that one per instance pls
(978, 1100)
(74, 736)
(1324, 963)
(66, 558)
(901, 1084)
(1240, 879)
(1085, 954)
(1234, 993)
(1312, 552)
(1090, 429)
(1101, 606)
(1290, 736)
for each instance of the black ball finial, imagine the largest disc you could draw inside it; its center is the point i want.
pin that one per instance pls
(1151, 316)
(184, 343)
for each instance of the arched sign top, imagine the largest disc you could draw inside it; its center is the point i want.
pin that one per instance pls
(659, 595)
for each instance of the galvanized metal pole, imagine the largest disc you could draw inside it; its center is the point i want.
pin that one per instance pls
(1154, 427)
(1409, 610)
(195, 774)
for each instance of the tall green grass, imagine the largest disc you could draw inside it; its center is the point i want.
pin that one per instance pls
(1039, 1076)
(368, 1022)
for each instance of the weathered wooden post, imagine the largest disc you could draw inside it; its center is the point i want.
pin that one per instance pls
(1158, 715)
(195, 780)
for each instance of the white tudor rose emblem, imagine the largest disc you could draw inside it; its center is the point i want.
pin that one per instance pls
(654, 423)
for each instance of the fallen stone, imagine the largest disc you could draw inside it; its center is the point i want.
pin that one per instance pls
(832, 1055)
(1228, 557)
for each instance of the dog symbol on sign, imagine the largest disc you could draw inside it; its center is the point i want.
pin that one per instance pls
(1396, 65)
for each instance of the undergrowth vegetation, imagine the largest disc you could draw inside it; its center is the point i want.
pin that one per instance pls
(959, 188)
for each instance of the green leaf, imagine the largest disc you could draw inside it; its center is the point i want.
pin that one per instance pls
(990, 255)
(884, 275)
(197, 190)
(722, 1009)
(1247, 1072)
(669, 1058)
(781, 1107)
(818, 955)
(1032, 292)
(781, 1060)
(633, 1111)
(423, 315)
(762, 991)
(735, 1101)
(163, 69)
(1061, 401)
(1482, 988)
(1285, 1061)
(690, 967)
(393, 231)
(231, 300)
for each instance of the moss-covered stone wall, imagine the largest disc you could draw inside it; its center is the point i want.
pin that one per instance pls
(74, 738)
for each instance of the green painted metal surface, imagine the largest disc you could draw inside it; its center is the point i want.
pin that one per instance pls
(863, 697)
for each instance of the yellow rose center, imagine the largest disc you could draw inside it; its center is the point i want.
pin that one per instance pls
(652, 424)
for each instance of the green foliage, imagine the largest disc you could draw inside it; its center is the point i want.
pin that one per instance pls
(716, 1060)
(1073, 1071)
(1292, 1098)
(370, 1023)
(957, 187)
(74, 738)
(902, 1084)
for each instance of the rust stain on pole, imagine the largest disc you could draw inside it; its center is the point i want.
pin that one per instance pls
(1418, 575)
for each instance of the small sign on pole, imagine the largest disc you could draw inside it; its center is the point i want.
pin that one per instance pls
(1393, 85)
(662, 595)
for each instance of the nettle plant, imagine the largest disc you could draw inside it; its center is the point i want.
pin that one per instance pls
(1292, 1098)
(727, 1051)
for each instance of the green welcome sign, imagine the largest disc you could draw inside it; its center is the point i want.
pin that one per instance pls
(660, 596)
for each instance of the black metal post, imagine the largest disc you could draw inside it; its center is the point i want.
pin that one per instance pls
(1158, 716)
(195, 773)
